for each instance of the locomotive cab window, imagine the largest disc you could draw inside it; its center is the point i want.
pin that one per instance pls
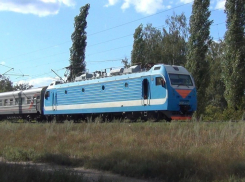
(178, 79)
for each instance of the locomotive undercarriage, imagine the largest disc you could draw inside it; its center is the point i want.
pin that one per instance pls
(142, 116)
(153, 116)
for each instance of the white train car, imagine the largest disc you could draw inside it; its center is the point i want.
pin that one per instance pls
(25, 104)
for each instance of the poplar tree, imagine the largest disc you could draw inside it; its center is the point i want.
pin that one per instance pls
(138, 52)
(79, 37)
(198, 44)
(175, 37)
(234, 55)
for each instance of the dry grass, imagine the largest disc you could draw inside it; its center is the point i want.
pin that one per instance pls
(177, 151)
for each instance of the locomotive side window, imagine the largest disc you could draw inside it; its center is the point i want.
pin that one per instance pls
(47, 94)
(160, 81)
(1, 103)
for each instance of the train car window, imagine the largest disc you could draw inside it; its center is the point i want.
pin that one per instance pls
(103, 87)
(83, 90)
(126, 84)
(1, 102)
(23, 100)
(28, 100)
(17, 101)
(11, 102)
(65, 91)
(5, 102)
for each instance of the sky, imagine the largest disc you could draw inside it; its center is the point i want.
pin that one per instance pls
(35, 35)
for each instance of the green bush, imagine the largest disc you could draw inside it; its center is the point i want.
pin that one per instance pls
(18, 154)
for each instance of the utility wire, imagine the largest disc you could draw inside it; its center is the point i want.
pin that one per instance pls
(117, 26)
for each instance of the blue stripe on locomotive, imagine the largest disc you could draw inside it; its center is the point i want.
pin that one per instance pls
(123, 93)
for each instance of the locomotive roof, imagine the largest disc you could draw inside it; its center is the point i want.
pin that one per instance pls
(156, 69)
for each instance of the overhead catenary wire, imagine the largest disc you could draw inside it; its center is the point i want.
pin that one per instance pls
(117, 26)
(104, 41)
(100, 42)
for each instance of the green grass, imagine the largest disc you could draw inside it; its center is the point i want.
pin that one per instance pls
(177, 151)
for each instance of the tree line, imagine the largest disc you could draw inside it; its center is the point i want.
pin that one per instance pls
(216, 66)
(6, 85)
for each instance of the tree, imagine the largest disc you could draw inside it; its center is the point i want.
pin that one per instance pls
(125, 62)
(79, 37)
(22, 86)
(216, 87)
(175, 40)
(198, 43)
(169, 46)
(5, 85)
(138, 52)
(152, 39)
(234, 54)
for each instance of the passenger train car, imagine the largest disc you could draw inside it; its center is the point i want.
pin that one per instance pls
(27, 104)
(163, 92)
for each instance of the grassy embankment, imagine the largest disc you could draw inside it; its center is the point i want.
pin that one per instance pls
(177, 151)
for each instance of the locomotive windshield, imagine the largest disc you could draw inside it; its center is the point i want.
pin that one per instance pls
(178, 79)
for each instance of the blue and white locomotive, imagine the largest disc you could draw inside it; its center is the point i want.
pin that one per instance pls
(163, 92)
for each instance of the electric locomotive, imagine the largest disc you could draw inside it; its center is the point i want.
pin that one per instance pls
(163, 92)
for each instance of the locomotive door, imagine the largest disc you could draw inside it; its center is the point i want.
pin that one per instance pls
(54, 101)
(146, 91)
